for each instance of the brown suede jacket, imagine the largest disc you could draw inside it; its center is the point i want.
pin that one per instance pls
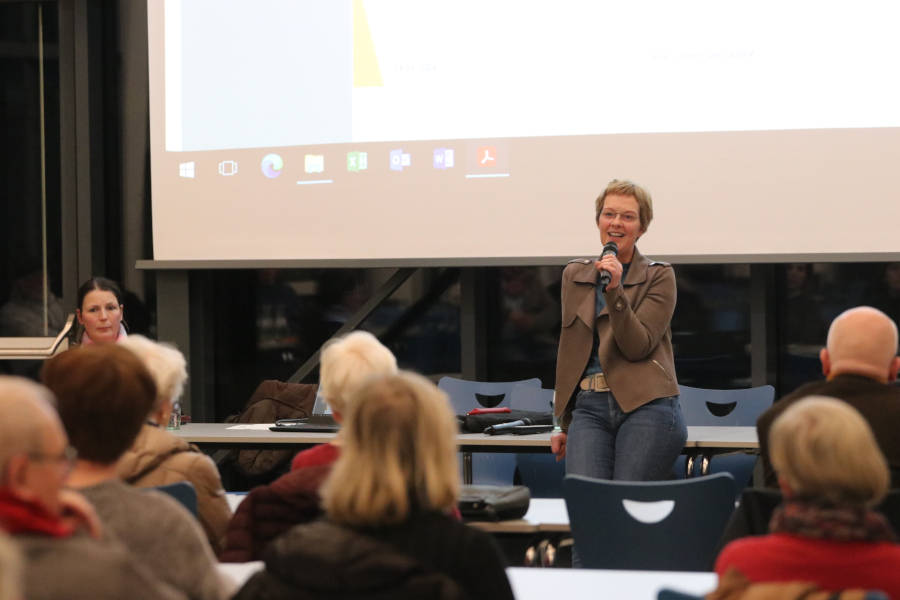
(635, 339)
(158, 458)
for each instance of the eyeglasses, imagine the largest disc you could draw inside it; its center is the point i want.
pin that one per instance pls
(626, 217)
(68, 457)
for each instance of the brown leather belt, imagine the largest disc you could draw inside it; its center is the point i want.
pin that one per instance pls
(594, 383)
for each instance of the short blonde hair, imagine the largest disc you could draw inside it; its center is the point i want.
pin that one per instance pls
(623, 187)
(825, 450)
(399, 451)
(166, 364)
(348, 361)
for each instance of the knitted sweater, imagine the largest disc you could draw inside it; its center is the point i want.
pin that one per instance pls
(161, 534)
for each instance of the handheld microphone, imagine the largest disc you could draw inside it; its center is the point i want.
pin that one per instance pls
(605, 277)
(501, 427)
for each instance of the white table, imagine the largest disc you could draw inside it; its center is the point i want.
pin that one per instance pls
(225, 434)
(701, 440)
(578, 584)
(544, 515)
(571, 584)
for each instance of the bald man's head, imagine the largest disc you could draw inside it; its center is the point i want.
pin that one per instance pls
(862, 341)
(33, 454)
(26, 412)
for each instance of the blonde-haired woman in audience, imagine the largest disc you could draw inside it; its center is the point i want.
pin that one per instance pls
(346, 362)
(387, 532)
(294, 497)
(831, 473)
(157, 457)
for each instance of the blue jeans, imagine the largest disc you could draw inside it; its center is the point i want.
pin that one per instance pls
(607, 443)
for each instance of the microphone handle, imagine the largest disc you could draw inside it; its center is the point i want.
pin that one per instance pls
(605, 278)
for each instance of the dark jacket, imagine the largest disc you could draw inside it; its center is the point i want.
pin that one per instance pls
(879, 404)
(635, 340)
(429, 556)
(270, 510)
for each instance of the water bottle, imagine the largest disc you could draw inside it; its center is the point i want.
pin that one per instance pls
(175, 417)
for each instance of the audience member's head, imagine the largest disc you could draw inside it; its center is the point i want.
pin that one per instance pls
(169, 370)
(104, 394)
(35, 457)
(862, 341)
(10, 570)
(399, 453)
(100, 310)
(823, 450)
(348, 361)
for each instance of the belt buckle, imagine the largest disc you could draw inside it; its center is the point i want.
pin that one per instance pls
(594, 383)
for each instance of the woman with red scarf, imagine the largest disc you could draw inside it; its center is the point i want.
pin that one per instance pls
(831, 473)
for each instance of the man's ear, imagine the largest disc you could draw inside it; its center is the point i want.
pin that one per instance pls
(826, 361)
(16, 477)
(895, 368)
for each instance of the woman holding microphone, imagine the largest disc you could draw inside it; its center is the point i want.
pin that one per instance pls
(616, 390)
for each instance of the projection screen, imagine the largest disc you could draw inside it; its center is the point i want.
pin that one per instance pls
(404, 131)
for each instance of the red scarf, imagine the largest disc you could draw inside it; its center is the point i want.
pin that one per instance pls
(21, 516)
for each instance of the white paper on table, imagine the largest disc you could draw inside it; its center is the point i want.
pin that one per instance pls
(253, 426)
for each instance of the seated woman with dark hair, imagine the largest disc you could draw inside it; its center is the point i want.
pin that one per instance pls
(100, 313)
(388, 533)
(831, 473)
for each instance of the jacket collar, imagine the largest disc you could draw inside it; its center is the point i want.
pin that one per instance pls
(637, 272)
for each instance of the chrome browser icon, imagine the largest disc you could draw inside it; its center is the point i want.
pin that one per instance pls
(272, 165)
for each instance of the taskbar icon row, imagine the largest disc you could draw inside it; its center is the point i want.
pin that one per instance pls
(480, 157)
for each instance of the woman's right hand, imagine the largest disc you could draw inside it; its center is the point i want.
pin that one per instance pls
(558, 445)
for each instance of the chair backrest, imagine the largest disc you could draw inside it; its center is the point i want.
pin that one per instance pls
(650, 525)
(528, 397)
(466, 395)
(183, 491)
(541, 474)
(737, 408)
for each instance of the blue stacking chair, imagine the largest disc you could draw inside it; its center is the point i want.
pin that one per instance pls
(466, 395)
(540, 472)
(488, 468)
(648, 525)
(735, 408)
(183, 492)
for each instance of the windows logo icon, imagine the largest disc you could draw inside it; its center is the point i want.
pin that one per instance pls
(272, 165)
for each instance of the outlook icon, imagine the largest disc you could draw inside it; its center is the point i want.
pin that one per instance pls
(399, 160)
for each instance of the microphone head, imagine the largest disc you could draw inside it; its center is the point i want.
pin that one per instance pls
(610, 248)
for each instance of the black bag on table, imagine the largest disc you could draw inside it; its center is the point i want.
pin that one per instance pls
(478, 423)
(493, 502)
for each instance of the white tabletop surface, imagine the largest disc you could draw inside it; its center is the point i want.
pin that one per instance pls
(544, 514)
(571, 584)
(258, 434)
(578, 584)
